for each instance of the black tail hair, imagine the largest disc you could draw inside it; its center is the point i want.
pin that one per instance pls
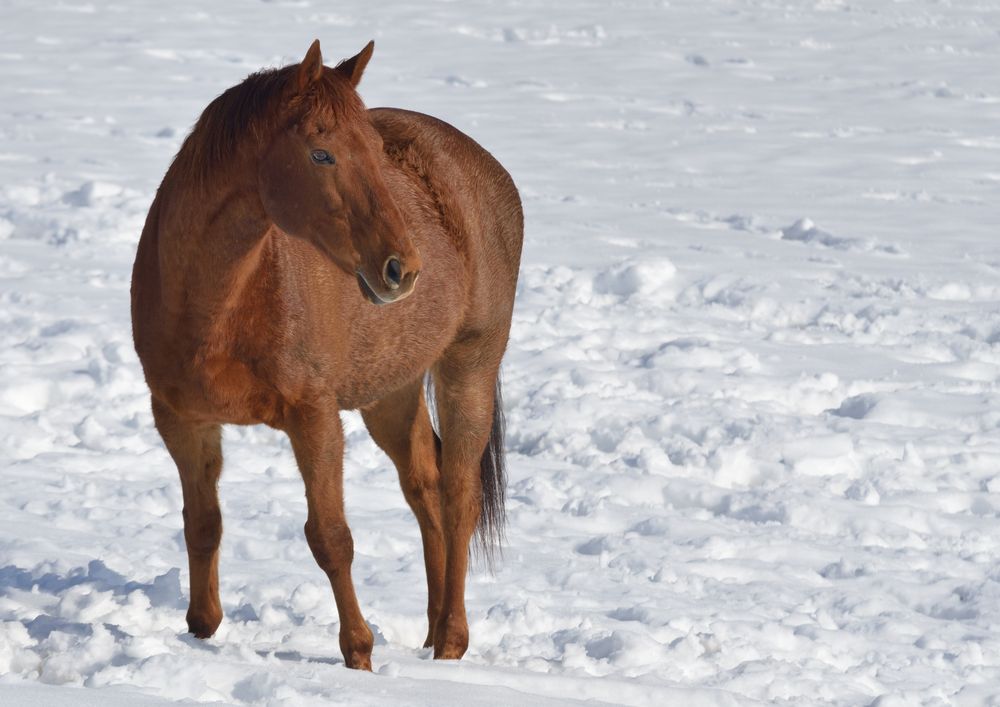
(492, 475)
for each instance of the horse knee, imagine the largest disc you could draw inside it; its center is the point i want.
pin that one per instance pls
(420, 488)
(461, 493)
(202, 531)
(332, 546)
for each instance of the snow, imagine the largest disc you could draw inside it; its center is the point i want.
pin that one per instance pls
(752, 383)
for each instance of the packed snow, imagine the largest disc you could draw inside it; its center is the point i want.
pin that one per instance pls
(752, 382)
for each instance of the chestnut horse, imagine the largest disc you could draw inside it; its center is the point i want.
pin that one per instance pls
(276, 282)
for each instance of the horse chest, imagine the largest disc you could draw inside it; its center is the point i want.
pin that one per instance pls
(391, 346)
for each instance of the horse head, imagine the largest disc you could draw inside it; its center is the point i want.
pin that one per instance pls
(320, 178)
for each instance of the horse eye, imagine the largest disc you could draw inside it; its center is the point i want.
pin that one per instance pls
(322, 157)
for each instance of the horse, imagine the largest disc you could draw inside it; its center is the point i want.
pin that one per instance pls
(305, 255)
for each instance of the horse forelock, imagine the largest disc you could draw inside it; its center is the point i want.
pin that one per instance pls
(247, 115)
(330, 100)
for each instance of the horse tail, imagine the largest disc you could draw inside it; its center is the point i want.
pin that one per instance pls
(492, 476)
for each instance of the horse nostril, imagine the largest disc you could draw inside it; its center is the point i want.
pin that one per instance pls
(392, 272)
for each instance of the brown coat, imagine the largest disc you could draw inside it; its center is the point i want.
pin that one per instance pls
(303, 256)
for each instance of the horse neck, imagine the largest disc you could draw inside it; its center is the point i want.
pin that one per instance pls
(212, 239)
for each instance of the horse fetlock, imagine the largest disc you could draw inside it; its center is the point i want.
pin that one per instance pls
(202, 531)
(433, 612)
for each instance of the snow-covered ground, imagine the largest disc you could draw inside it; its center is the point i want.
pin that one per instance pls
(752, 384)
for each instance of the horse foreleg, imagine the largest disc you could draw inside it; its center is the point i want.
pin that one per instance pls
(465, 397)
(197, 451)
(400, 425)
(318, 442)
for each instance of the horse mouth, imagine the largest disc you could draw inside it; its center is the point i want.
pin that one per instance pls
(368, 292)
(404, 290)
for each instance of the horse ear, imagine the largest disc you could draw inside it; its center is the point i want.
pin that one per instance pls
(355, 66)
(311, 68)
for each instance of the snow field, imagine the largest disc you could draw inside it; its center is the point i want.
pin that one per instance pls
(753, 411)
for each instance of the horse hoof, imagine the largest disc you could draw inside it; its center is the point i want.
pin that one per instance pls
(356, 647)
(204, 624)
(449, 652)
(202, 629)
(359, 662)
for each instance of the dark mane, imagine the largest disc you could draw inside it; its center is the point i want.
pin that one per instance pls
(248, 113)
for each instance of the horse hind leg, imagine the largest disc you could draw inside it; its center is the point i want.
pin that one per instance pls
(399, 423)
(197, 451)
(465, 386)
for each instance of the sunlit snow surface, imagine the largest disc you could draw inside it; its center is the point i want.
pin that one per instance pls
(754, 416)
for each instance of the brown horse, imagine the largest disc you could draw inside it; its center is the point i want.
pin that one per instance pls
(276, 282)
